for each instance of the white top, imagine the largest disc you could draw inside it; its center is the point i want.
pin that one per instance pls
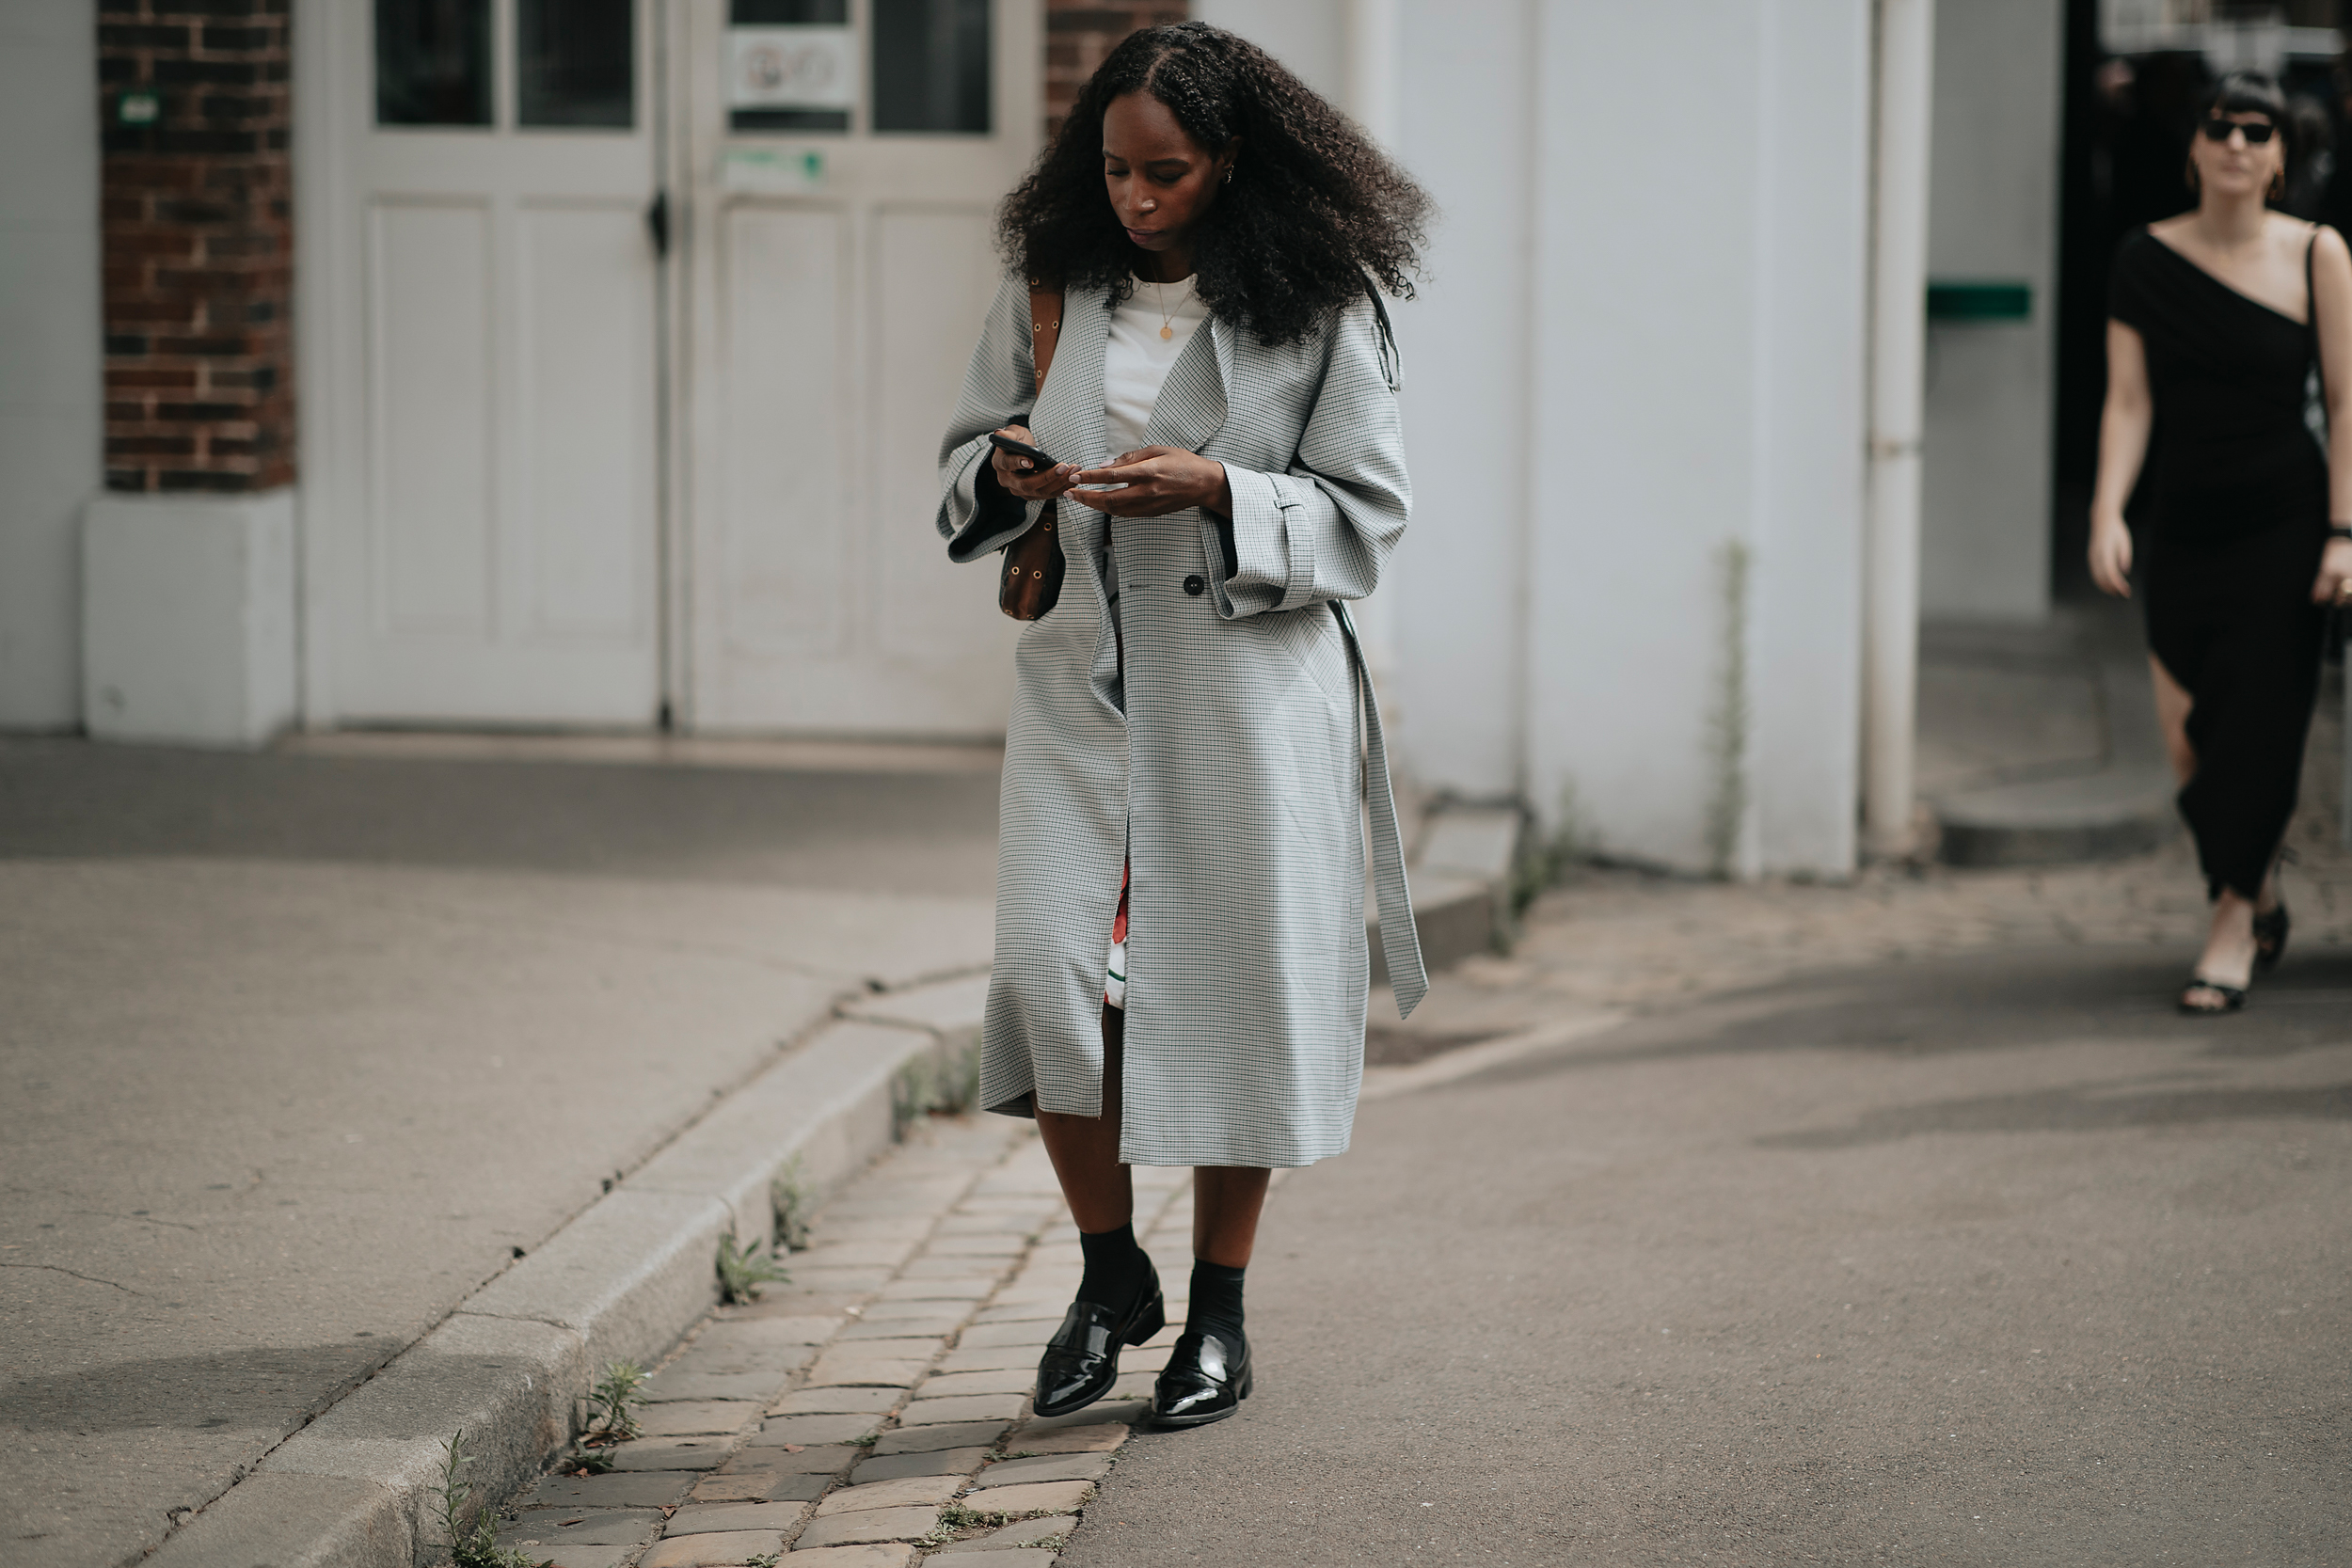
(1136, 361)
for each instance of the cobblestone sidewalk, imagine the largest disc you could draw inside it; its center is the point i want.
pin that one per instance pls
(874, 1410)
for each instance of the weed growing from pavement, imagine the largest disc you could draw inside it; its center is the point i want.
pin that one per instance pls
(477, 1547)
(765, 1560)
(789, 1195)
(928, 1085)
(612, 1401)
(743, 1269)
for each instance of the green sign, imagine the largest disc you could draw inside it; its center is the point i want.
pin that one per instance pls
(1950, 300)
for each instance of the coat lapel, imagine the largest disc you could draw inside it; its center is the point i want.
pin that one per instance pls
(1191, 407)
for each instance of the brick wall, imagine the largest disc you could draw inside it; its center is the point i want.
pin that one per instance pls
(198, 246)
(1078, 34)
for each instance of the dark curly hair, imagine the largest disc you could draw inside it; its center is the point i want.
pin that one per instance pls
(1314, 212)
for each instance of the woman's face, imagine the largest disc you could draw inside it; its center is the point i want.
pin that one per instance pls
(1161, 182)
(2240, 164)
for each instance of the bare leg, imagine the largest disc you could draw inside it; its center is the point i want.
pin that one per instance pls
(2172, 706)
(2229, 956)
(1226, 1202)
(1101, 1192)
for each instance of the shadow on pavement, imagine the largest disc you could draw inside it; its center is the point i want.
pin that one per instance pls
(879, 832)
(232, 1388)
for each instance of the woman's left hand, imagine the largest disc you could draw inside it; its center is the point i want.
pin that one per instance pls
(1158, 480)
(2335, 574)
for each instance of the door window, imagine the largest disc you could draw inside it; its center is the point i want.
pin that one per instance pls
(576, 62)
(930, 65)
(792, 66)
(432, 62)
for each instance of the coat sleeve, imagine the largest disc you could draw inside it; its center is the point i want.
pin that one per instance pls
(1324, 529)
(976, 514)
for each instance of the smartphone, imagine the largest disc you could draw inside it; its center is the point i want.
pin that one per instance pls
(1020, 448)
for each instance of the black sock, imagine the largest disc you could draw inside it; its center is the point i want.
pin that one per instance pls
(1116, 1268)
(1215, 1305)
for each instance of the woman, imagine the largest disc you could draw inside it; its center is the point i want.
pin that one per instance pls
(1187, 746)
(2217, 317)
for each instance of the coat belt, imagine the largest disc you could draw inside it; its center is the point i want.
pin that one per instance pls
(1400, 939)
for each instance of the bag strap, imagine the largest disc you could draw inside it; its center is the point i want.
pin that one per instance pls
(1044, 327)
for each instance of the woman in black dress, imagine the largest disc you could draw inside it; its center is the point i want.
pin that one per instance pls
(2243, 543)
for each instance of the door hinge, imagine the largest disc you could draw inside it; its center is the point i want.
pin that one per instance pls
(657, 223)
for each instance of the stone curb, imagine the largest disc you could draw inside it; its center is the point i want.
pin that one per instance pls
(621, 1281)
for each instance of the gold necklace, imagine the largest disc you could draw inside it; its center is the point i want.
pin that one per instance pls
(1159, 296)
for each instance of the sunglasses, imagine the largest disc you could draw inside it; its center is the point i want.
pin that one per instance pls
(2257, 130)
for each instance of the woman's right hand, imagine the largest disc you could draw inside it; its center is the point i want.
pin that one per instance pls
(2111, 556)
(1023, 477)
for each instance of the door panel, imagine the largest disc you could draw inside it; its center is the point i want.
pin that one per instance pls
(430, 309)
(786, 522)
(837, 293)
(935, 274)
(588, 393)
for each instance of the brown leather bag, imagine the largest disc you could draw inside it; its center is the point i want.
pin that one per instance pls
(1033, 563)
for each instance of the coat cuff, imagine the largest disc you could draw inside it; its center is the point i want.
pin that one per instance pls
(1274, 565)
(992, 516)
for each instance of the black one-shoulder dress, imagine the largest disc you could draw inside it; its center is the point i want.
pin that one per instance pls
(2232, 519)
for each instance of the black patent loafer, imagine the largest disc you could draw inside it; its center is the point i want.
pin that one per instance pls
(1206, 1379)
(1081, 1360)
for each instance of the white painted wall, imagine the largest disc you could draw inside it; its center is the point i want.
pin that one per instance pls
(1993, 215)
(51, 404)
(1641, 339)
(1308, 35)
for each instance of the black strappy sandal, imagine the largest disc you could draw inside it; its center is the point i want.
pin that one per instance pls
(2232, 997)
(2270, 938)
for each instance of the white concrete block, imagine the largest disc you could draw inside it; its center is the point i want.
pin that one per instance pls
(188, 618)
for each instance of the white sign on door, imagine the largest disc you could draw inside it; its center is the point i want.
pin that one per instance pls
(791, 68)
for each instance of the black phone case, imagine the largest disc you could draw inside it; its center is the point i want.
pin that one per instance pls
(1020, 448)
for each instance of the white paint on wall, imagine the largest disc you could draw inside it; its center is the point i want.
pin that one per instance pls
(51, 403)
(1640, 338)
(188, 618)
(1460, 583)
(1985, 484)
(1308, 35)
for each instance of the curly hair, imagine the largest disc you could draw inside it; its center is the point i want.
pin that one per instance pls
(1315, 212)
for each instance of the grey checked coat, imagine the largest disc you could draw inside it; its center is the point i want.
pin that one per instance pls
(1232, 762)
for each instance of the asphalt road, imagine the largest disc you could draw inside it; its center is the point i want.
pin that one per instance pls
(297, 1052)
(1984, 1261)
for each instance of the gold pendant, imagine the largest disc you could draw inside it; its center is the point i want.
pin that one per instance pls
(1165, 333)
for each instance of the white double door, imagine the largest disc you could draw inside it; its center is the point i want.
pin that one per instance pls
(568, 480)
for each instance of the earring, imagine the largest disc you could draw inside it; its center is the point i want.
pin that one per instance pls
(1229, 174)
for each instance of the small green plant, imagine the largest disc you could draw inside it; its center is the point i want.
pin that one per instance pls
(765, 1560)
(743, 1269)
(477, 1546)
(912, 1088)
(865, 1442)
(960, 1082)
(933, 1086)
(789, 1195)
(612, 1401)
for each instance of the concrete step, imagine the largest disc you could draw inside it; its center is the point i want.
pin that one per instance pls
(1460, 868)
(2094, 817)
(2115, 801)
